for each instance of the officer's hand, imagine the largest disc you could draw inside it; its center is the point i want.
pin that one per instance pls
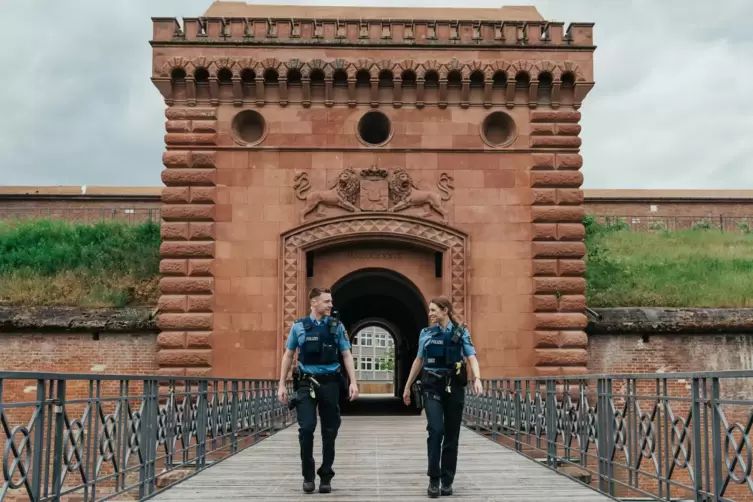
(353, 391)
(478, 388)
(282, 394)
(406, 396)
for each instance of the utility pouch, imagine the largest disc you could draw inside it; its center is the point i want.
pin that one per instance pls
(418, 394)
(459, 374)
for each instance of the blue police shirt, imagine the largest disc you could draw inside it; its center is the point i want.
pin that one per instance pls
(297, 337)
(468, 348)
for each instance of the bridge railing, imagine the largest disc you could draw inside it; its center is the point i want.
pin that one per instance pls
(99, 437)
(669, 436)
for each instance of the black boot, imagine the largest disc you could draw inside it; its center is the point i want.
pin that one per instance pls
(433, 490)
(325, 486)
(446, 489)
(308, 487)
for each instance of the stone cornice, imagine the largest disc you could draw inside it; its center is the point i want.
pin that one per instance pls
(535, 35)
(179, 79)
(657, 320)
(602, 321)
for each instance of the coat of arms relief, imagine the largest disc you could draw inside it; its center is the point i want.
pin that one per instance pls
(374, 189)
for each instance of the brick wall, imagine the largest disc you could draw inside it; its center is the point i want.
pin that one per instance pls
(640, 203)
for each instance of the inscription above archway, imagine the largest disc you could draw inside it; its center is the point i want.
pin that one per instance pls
(364, 227)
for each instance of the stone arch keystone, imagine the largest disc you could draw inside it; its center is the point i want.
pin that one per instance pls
(362, 227)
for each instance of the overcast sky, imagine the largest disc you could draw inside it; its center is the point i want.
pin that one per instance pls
(672, 106)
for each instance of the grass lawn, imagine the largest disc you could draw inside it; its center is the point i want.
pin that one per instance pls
(693, 268)
(46, 262)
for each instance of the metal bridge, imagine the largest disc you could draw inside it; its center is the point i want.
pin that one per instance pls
(592, 438)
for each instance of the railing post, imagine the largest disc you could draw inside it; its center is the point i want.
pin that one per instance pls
(37, 446)
(257, 418)
(551, 423)
(201, 423)
(716, 431)
(57, 459)
(234, 417)
(148, 438)
(495, 408)
(518, 416)
(695, 447)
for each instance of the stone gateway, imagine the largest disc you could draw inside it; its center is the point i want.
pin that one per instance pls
(393, 154)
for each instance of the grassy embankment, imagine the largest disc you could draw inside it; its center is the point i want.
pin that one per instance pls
(110, 264)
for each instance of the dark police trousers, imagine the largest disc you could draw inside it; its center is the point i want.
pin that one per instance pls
(443, 423)
(328, 400)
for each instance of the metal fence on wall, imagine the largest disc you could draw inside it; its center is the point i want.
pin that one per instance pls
(679, 223)
(642, 223)
(637, 437)
(96, 437)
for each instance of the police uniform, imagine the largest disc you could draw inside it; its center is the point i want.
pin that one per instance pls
(317, 382)
(443, 377)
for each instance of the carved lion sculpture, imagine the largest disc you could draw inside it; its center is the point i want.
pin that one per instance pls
(342, 193)
(406, 194)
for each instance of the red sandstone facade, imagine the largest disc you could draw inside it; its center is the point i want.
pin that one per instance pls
(393, 154)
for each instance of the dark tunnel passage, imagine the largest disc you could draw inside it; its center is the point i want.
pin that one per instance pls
(384, 298)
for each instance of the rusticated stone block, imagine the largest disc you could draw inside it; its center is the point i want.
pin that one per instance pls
(555, 116)
(558, 249)
(191, 113)
(545, 303)
(188, 212)
(567, 129)
(187, 249)
(203, 126)
(174, 230)
(199, 340)
(569, 161)
(197, 303)
(177, 159)
(186, 285)
(185, 358)
(198, 230)
(172, 303)
(543, 161)
(571, 267)
(572, 303)
(198, 372)
(203, 159)
(542, 129)
(178, 126)
(193, 322)
(175, 195)
(190, 139)
(545, 232)
(573, 339)
(545, 196)
(561, 320)
(542, 214)
(563, 285)
(569, 196)
(172, 372)
(172, 340)
(561, 357)
(570, 231)
(546, 179)
(200, 267)
(551, 371)
(199, 195)
(555, 142)
(546, 339)
(173, 267)
(186, 177)
(544, 267)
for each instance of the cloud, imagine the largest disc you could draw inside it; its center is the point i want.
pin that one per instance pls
(671, 107)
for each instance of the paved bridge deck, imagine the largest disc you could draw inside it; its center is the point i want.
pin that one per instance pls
(379, 459)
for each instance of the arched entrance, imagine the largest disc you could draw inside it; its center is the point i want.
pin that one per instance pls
(385, 298)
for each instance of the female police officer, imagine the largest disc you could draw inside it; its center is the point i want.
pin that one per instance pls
(441, 348)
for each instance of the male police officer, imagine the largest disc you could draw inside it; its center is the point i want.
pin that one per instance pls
(319, 339)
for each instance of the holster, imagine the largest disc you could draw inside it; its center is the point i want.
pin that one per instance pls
(418, 394)
(296, 378)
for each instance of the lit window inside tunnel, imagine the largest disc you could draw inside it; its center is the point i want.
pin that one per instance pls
(380, 302)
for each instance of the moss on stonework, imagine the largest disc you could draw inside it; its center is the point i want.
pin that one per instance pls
(113, 264)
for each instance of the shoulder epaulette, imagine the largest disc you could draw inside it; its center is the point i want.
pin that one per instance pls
(306, 321)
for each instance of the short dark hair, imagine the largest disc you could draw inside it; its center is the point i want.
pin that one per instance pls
(317, 292)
